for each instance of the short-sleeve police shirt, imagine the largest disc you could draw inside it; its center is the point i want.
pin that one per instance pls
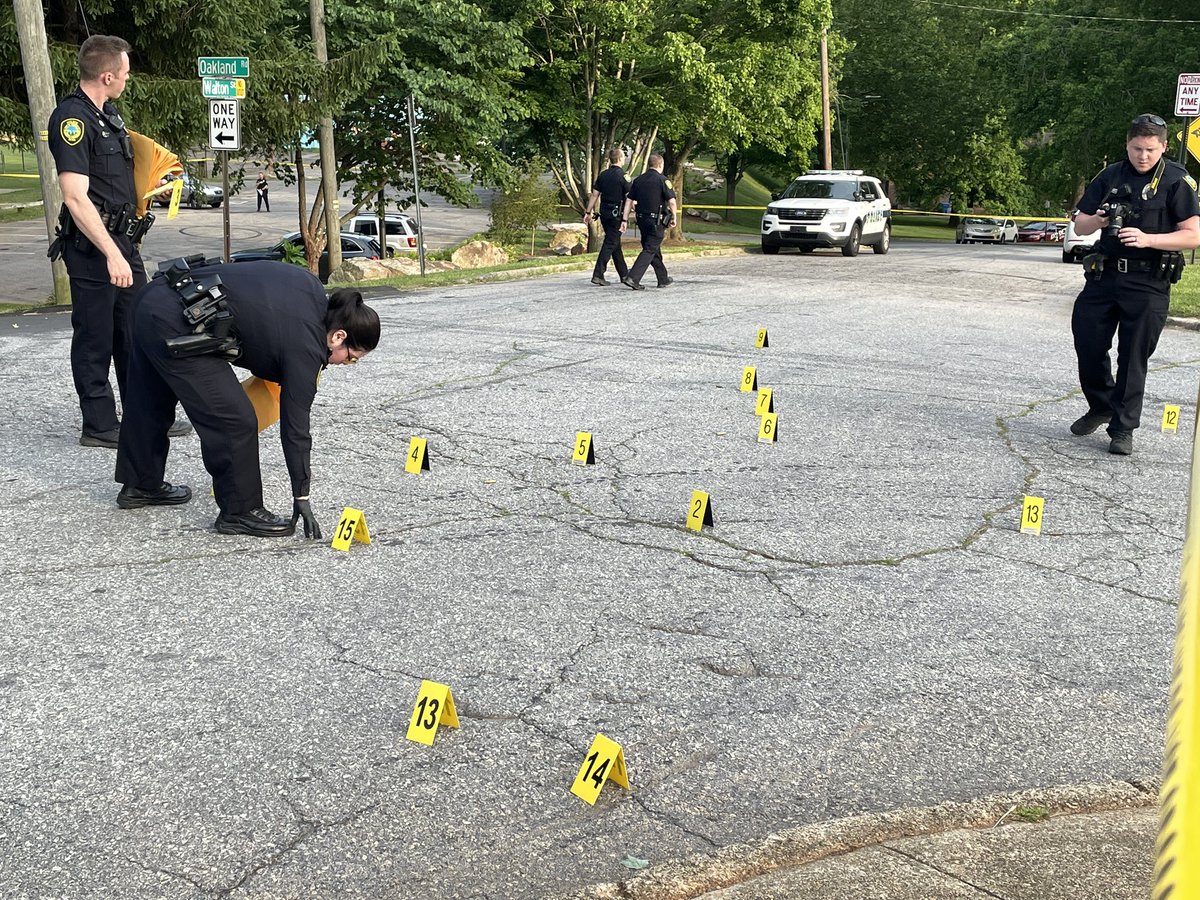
(84, 140)
(612, 185)
(1181, 204)
(651, 191)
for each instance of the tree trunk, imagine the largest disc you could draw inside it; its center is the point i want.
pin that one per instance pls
(732, 174)
(595, 236)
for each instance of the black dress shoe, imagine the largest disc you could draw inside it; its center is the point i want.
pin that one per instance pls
(100, 438)
(166, 494)
(669, 280)
(599, 282)
(630, 283)
(180, 428)
(258, 522)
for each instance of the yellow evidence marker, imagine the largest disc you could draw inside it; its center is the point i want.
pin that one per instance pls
(761, 340)
(351, 527)
(749, 379)
(1170, 418)
(768, 430)
(700, 511)
(434, 707)
(176, 195)
(584, 455)
(418, 458)
(605, 761)
(766, 402)
(1031, 515)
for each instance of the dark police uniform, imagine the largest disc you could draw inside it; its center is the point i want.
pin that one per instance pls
(94, 143)
(279, 318)
(612, 185)
(650, 191)
(1128, 289)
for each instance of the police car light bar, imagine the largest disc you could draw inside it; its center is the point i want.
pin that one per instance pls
(834, 172)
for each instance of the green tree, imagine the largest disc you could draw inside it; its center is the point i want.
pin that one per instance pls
(735, 74)
(459, 66)
(532, 202)
(925, 104)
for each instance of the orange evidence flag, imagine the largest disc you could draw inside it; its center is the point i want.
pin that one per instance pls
(265, 397)
(151, 163)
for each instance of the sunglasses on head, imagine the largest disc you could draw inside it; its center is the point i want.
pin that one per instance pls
(1150, 120)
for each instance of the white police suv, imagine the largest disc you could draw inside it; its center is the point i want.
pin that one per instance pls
(829, 208)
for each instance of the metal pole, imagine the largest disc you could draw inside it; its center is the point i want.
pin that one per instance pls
(412, 142)
(225, 185)
(1183, 152)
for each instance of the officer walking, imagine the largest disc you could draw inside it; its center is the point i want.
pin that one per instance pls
(607, 202)
(269, 317)
(653, 199)
(99, 231)
(1148, 209)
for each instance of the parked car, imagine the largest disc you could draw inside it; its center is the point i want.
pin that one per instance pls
(401, 231)
(196, 193)
(1076, 246)
(354, 246)
(829, 208)
(972, 229)
(1039, 232)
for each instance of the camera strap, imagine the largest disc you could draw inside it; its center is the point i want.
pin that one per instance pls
(1151, 189)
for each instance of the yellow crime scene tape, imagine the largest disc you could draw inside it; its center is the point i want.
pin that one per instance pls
(1177, 854)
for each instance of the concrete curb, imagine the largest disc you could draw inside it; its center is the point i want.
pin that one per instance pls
(1184, 322)
(536, 271)
(738, 863)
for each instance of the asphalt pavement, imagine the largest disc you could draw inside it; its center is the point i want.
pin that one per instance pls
(864, 629)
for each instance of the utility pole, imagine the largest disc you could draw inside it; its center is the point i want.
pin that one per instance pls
(827, 144)
(333, 228)
(39, 83)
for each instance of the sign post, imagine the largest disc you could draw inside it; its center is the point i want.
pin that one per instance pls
(223, 83)
(224, 134)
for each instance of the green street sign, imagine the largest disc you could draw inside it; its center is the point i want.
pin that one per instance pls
(223, 66)
(223, 88)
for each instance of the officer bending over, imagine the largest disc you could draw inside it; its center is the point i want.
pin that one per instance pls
(606, 203)
(1147, 206)
(188, 324)
(653, 199)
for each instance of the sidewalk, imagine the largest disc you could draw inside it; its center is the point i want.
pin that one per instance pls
(1072, 843)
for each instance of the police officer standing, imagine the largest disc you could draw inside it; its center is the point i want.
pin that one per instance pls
(607, 202)
(1148, 209)
(99, 231)
(269, 317)
(653, 199)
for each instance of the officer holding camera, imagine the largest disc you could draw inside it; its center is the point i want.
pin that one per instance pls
(99, 231)
(1147, 208)
(653, 198)
(608, 198)
(188, 324)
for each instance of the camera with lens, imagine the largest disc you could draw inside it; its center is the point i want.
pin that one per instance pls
(1118, 209)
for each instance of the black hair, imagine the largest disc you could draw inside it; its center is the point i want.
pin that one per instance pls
(348, 313)
(99, 54)
(1147, 125)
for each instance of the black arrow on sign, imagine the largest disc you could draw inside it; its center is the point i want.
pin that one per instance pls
(222, 137)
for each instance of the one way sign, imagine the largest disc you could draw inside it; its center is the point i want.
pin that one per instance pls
(224, 127)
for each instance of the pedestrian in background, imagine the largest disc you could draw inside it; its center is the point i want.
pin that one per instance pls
(1148, 209)
(652, 197)
(260, 189)
(606, 203)
(99, 232)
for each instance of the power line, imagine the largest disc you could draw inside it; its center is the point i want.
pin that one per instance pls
(1050, 15)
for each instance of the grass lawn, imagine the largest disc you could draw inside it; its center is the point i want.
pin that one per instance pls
(13, 160)
(1185, 296)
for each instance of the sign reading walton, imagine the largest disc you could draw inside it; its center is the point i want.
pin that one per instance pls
(223, 66)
